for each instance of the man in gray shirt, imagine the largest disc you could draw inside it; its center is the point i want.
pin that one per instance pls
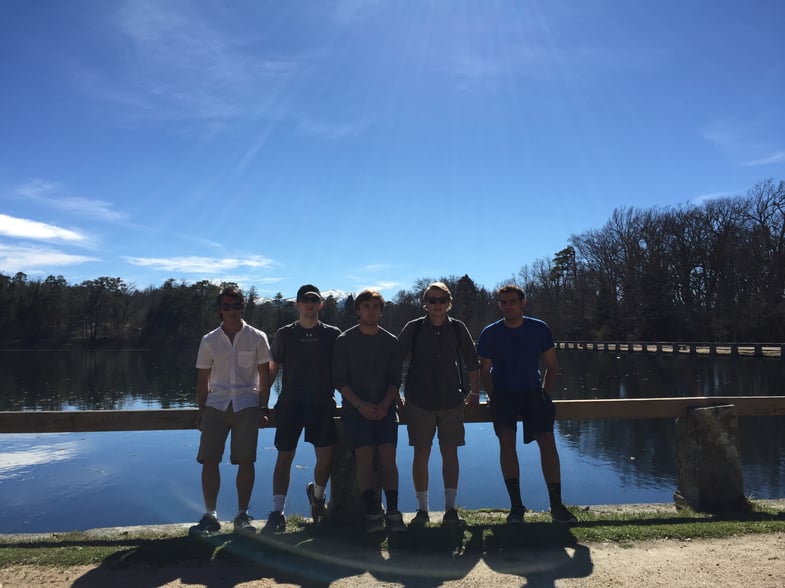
(367, 372)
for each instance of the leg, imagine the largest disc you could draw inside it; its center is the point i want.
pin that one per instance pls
(549, 458)
(324, 464)
(389, 466)
(364, 463)
(211, 483)
(450, 467)
(282, 472)
(246, 475)
(508, 454)
(420, 468)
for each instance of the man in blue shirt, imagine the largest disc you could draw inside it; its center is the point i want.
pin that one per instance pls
(510, 352)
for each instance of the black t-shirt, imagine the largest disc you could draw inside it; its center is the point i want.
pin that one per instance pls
(306, 358)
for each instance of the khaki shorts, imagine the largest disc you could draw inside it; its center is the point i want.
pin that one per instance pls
(422, 424)
(216, 425)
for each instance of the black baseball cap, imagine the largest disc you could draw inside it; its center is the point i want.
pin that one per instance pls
(308, 289)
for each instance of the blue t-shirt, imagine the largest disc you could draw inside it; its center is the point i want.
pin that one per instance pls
(515, 353)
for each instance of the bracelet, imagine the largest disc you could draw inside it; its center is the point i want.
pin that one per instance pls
(360, 404)
(472, 394)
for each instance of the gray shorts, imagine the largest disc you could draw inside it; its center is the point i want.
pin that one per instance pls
(216, 425)
(422, 424)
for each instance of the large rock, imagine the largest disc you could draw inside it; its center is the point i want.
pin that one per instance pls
(709, 464)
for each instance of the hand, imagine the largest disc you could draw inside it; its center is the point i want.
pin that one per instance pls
(472, 402)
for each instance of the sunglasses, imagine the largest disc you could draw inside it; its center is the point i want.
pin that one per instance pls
(232, 306)
(311, 299)
(442, 300)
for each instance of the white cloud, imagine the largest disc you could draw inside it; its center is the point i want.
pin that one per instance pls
(200, 265)
(15, 258)
(189, 61)
(333, 130)
(49, 193)
(11, 226)
(348, 12)
(778, 157)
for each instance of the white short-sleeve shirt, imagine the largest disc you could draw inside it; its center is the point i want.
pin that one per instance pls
(234, 376)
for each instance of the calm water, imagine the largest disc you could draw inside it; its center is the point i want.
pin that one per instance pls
(60, 482)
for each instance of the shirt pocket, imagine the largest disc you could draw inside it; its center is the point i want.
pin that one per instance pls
(246, 359)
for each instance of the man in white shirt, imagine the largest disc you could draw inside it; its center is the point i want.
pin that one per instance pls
(232, 392)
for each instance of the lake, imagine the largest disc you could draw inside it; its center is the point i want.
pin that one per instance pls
(67, 481)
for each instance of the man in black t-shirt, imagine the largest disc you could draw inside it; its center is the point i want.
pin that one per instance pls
(305, 350)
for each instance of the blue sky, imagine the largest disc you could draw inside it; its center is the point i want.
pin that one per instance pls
(367, 143)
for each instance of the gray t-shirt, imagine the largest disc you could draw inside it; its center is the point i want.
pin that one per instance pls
(367, 363)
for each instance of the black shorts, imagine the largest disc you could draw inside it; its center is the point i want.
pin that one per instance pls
(534, 408)
(292, 417)
(361, 432)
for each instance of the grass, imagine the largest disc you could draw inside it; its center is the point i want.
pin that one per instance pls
(484, 530)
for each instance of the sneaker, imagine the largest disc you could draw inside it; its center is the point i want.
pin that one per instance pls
(562, 516)
(242, 524)
(451, 518)
(276, 522)
(395, 522)
(205, 527)
(374, 524)
(516, 515)
(374, 520)
(317, 504)
(421, 519)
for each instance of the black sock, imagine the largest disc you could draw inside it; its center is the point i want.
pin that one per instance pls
(554, 493)
(514, 490)
(369, 499)
(392, 500)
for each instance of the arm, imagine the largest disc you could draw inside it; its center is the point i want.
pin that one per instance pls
(485, 374)
(202, 389)
(265, 381)
(366, 409)
(551, 369)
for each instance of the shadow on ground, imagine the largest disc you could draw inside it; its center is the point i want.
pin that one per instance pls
(537, 553)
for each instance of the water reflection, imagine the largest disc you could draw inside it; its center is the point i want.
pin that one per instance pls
(66, 481)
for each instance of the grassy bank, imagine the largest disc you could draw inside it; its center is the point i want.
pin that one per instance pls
(485, 530)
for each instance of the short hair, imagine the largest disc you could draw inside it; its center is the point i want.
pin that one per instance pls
(367, 296)
(510, 288)
(442, 287)
(233, 292)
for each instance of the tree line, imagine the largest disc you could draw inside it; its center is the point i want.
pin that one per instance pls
(708, 272)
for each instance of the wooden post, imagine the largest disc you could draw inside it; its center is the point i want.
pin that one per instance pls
(710, 475)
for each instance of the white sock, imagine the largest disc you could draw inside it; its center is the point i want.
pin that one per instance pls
(422, 500)
(212, 513)
(318, 491)
(239, 512)
(279, 502)
(449, 497)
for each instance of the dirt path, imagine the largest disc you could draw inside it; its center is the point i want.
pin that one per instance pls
(749, 561)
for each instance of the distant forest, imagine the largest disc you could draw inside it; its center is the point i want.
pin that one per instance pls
(708, 272)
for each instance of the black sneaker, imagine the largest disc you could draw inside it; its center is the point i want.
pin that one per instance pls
(451, 518)
(421, 519)
(562, 516)
(374, 520)
(516, 515)
(317, 504)
(208, 525)
(276, 522)
(242, 523)
(395, 522)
